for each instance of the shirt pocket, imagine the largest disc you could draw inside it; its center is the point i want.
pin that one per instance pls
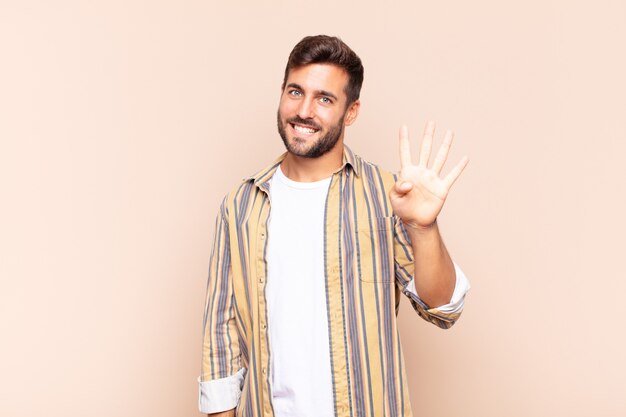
(375, 250)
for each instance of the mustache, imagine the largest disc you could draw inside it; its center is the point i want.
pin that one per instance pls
(304, 122)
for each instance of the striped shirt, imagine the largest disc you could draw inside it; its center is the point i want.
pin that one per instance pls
(368, 263)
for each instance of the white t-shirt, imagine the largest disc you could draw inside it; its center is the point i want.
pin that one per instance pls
(300, 375)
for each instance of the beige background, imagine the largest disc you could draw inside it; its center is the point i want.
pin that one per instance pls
(123, 123)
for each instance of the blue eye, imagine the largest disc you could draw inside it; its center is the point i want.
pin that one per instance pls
(295, 93)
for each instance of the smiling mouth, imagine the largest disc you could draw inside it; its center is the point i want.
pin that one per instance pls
(305, 130)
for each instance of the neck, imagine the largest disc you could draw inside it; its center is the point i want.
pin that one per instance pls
(301, 169)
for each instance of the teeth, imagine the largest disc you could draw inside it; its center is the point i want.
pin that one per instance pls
(303, 129)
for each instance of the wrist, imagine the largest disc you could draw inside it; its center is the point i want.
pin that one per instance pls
(412, 225)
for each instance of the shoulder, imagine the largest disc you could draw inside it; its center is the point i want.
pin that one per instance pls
(250, 187)
(373, 174)
(238, 195)
(376, 184)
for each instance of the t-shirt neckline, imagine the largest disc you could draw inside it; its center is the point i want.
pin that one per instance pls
(279, 175)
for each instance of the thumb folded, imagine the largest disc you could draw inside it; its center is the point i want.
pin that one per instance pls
(403, 187)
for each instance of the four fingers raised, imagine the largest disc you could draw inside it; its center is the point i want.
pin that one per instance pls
(405, 147)
(425, 151)
(427, 143)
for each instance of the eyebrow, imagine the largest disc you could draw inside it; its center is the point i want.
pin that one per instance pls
(320, 92)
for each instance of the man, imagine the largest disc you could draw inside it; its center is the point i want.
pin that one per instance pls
(310, 256)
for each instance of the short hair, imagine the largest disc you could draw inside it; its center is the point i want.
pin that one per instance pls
(322, 49)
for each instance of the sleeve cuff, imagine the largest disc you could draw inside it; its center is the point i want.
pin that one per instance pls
(457, 301)
(220, 394)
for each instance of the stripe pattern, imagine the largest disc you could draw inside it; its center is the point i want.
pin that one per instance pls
(368, 262)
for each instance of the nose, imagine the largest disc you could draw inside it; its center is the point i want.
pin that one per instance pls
(305, 108)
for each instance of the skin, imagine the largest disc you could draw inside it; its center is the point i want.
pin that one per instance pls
(229, 413)
(417, 199)
(314, 95)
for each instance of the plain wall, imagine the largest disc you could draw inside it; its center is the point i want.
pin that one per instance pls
(124, 123)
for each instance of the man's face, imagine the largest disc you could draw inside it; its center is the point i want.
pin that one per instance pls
(312, 111)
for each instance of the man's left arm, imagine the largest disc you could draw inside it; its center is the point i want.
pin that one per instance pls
(417, 199)
(433, 269)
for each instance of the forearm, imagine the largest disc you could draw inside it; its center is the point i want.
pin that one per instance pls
(434, 271)
(229, 413)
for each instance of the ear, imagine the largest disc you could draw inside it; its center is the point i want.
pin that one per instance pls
(352, 113)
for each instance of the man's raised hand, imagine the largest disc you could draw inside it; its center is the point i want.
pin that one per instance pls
(419, 194)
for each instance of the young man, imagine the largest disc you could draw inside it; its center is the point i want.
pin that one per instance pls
(310, 256)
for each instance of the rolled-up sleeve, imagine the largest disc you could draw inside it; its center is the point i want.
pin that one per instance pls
(443, 316)
(457, 301)
(220, 394)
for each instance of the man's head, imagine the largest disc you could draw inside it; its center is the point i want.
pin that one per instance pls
(322, 49)
(320, 95)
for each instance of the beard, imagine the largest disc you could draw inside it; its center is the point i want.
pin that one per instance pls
(322, 146)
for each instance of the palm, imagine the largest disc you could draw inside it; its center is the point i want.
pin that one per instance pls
(422, 201)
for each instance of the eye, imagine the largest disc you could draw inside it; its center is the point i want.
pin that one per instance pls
(295, 93)
(326, 100)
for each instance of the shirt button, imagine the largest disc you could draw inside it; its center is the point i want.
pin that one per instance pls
(264, 371)
(263, 326)
(262, 235)
(261, 280)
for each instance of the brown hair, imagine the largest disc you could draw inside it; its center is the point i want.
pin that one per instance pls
(322, 49)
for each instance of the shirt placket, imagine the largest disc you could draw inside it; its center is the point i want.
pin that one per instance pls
(261, 273)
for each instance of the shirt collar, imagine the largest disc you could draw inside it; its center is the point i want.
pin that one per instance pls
(262, 177)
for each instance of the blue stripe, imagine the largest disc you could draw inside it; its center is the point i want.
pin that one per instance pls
(389, 337)
(240, 211)
(388, 388)
(363, 325)
(220, 320)
(344, 222)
